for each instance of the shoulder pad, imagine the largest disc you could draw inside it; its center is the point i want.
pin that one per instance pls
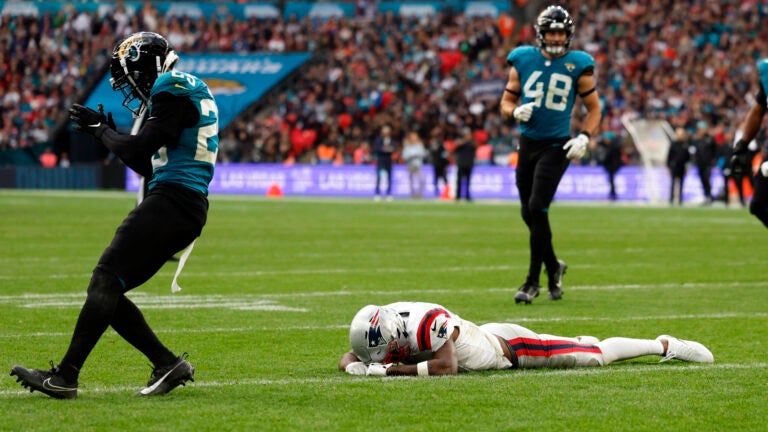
(434, 329)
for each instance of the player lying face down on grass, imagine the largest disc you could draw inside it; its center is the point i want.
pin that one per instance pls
(426, 339)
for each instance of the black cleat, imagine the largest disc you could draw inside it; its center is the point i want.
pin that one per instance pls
(166, 378)
(527, 293)
(48, 382)
(556, 281)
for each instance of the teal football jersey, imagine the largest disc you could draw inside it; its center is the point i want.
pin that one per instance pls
(551, 83)
(762, 67)
(191, 162)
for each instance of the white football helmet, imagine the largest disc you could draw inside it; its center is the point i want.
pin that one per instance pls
(377, 334)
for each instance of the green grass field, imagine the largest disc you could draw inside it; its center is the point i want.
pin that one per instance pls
(272, 285)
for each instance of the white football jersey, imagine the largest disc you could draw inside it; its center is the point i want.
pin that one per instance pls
(429, 326)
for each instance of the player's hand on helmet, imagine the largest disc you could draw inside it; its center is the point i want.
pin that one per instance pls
(576, 146)
(740, 162)
(523, 112)
(378, 369)
(87, 120)
(356, 368)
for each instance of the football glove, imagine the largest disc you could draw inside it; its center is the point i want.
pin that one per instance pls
(107, 119)
(356, 368)
(378, 369)
(740, 162)
(576, 146)
(523, 112)
(87, 120)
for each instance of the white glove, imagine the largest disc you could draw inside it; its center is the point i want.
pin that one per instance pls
(577, 146)
(523, 112)
(356, 368)
(378, 369)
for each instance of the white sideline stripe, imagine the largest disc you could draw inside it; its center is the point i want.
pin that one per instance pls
(145, 299)
(332, 327)
(194, 304)
(642, 318)
(194, 330)
(290, 272)
(257, 273)
(342, 378)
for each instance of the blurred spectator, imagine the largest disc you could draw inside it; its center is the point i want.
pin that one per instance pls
(484, 154)
(363, 154)
(383, 148)
(414, 154)
(677, 161)
(724, 152)
(326, 153)
(465, 161)
(704, 149)
(610, 157)
(439, 158)
(678, 60)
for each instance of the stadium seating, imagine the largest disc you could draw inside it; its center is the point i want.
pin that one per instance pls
(681, 60)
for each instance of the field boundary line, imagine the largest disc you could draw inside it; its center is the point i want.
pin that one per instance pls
(189, 294)
(336, 271)
(343, 378)
(333, 327)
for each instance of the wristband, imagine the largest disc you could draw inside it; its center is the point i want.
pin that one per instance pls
(585, 133)
(422, 369)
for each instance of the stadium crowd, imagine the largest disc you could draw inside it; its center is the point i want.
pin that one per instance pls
(683, 61)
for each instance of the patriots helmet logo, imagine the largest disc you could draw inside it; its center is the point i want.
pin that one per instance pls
(443, 332)
(374, 332)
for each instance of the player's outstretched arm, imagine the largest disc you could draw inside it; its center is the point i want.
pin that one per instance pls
(347, 359)
(444, 362)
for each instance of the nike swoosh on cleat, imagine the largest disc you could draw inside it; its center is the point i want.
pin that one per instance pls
(149, 390)
(48, 386)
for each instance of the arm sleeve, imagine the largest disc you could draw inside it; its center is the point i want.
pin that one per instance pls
(761, 96)
(169, 116)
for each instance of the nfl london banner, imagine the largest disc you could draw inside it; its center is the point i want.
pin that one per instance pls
(580, 183)
(236, 82)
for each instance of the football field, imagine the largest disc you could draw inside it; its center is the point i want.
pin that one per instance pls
(272, 284)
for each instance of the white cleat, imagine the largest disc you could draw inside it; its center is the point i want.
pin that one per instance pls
(686, 350)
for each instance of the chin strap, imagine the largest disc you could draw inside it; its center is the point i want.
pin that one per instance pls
(170, 61)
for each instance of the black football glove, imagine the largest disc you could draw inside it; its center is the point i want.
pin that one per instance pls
(740, 162)
(87, 120)
(107, 119)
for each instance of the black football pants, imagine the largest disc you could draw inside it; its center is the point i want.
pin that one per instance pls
(168, 219)
(540, 166)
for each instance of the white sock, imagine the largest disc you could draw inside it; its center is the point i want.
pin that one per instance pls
(618, 348)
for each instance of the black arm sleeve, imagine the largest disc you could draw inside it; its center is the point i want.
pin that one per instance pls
(761, 96)
(169, 116)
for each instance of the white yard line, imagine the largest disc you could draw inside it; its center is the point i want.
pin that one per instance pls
(342, 378)
(335, 327)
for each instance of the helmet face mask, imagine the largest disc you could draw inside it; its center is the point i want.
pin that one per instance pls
(136, 63)
(554, 19)
(377, 334)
